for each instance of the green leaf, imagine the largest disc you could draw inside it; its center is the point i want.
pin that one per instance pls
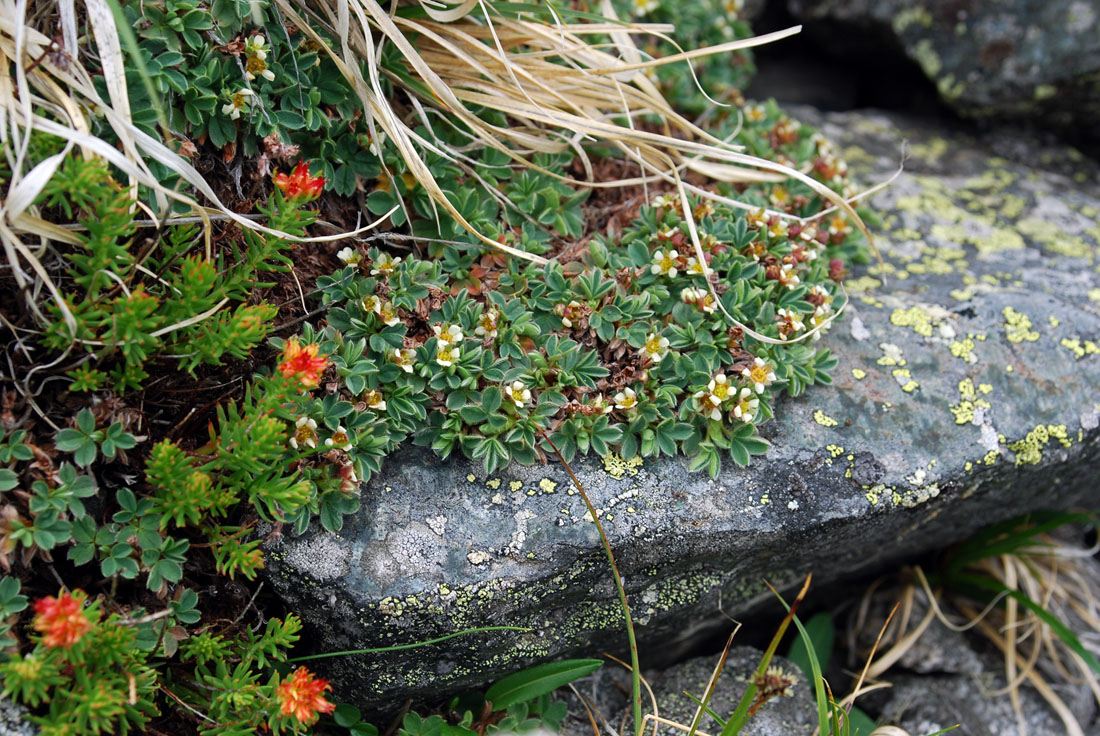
(538, 680)
(8, 479)
(820, 630)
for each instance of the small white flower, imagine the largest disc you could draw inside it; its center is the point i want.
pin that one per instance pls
(664, 262)
(778, 229)
(339, 439)
(238, 101)
(644, 7)
(760, 374)
(350, 256)
(405, 359)
(600, 404)
(371, 304)
(305, 433)
(746, 406)
(448, 334)
(388, 314)
(384, 264)
(518, 392)
(696, 267)
(720, 389)
(667, 201)
(487, 324)
(700, 297)
(374, 400)
(446, 354)
(626, 399)
(655, 348)
(254, 46)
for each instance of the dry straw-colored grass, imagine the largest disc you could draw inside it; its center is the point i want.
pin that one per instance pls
(558, 89)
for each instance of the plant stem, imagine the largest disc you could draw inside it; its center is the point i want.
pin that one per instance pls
(635, 669)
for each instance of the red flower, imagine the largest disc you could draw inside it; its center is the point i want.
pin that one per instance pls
(303, 362)
(299, 184)
(61, 619)
(303, 696)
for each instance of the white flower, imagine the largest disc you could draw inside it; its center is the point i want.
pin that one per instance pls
(374, 400)
(448, 334)
(626, 399)
(487, 324)
(643, 7)
(238, 101)
(600, 404)
(696, 267)
(518, 392)
(388, 314)
(746, 406)
(719, 388)
(760, 374)
(339, 439)
(305, 433)
(350, 256)
(777, 229)
(446, 354)
(371, 304)
(755, 113)
(667, 201)
(655, 348)
(404, 359)
(700, 297)
(384, 264)
(664, 262)
(254, 46)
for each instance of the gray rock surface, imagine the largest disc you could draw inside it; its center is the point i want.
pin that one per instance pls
(13, 720)
(791, 714)
(1017, 58)
(967, 392)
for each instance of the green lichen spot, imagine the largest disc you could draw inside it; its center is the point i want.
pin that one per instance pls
(617, 468)
(470, 477)
(964, 350)
(493, 483)
(547, 485)
(1018, 326)
(915, 317)
(835, 451)
(824, 419)
(1080, 348)
(859, 374)
(969, 402)
(909, 16)
(1029, 450)
(515, 485)
(1000, 239)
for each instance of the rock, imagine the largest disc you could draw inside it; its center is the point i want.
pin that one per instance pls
(13, 720)
(794, 713)
(1013, 58)
(965, 394)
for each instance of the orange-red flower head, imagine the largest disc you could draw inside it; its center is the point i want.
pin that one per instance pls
(303, 362)
(61, 619)
(303, 696)
(299, 185)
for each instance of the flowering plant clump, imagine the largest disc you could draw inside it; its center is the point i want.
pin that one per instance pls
(690, 350)
(302, 697)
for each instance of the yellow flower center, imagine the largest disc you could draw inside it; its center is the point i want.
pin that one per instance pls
(759, 373)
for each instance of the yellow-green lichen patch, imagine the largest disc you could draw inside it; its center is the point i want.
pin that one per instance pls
(470, 478)
(618, 468)
(1054, 238)
(493, 483)
(1080, 348)
(515, 485)
(915, 317)
(547, 485)
(964, 349)
(824, 419)
(859, 374)
(1000, 238)
(1018, 326)
(905, 380)
(969, 401)
(891, 355)
(1094, 295)
(1029, 450)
